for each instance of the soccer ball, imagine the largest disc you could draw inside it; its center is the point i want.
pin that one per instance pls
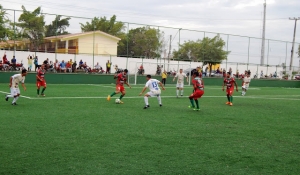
(117, 101)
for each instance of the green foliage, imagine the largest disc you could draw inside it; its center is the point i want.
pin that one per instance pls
(57, 27)
(32, 25)
(6, 31)
(144, 41)
(208, 50)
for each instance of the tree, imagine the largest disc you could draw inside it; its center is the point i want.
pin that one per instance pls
(5, 27)
(32, 26)
(208, 50)
(144, 41)
(57, 27)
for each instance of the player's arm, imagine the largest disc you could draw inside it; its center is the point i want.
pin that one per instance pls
(128, 84)
(38, 78)
(236, 86)
(174, 77)
(10, 81)
(161, 85)
(23, 85)
(115, 76)
(143, 91)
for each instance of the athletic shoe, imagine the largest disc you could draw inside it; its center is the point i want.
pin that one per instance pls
(196, 109)
(108, 98)
(160, 105)
(14, 104)
(121, 102)
(228, 103)
(6, 98)
(191, 107)
(43, 95)
(147, 106)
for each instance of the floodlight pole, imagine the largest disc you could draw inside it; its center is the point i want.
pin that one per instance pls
(292, 51)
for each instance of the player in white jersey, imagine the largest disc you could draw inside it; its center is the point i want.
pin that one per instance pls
(152, 84)
(14, 86)
(180, 82)
(246, 83)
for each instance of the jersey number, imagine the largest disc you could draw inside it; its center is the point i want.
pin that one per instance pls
(154, 84)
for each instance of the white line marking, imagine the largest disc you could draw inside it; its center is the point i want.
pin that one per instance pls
(20, 95)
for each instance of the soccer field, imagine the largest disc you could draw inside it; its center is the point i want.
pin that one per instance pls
(74, 130)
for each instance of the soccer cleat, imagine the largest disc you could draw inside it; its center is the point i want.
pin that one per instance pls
(160, 105)
(181, 95)
(6, 98)
(43, 95)
(228, 103)
(121, 102)
(147, 106)
(191, 107)
(196, 109)
(14, 104)
(108, 98)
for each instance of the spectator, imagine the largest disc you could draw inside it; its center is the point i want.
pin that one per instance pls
(261, 74)
(14, 62)
(80, 64)
(69, 66)
(164, 77)
(36, 63)
(63, 66)
(142, 69)
(46, 63)
(230, 70)
(56, 66)
(218, 70)
(97, 67)
(74, 66)
(5, 62)
(71, 62)
(29, 58)
(224, 73)
(108, 65)
(205, 72)
(51, 66)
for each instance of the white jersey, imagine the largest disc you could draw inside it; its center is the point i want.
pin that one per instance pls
(181, 77)
(247, 80)
(152, 84)
(16, 79)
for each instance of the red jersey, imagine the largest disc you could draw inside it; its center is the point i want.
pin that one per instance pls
(197, 84)
(229, 83)
(200, 74)
(121, 79)
(41, 74)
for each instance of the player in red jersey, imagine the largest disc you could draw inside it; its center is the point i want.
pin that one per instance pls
(198, 91)
(121, 80)
(229, 82)
(40, 80)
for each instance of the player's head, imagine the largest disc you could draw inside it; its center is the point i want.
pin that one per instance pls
(24, 72)
(125, 71)
(148, 77)
(228, 74)
(42, 66)
(248, 74)
(180, 70)
(195, 74)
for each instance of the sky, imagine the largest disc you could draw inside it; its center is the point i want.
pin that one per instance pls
(236, 17)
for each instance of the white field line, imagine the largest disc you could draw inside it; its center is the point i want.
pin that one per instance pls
(20, 95)
(245, 97)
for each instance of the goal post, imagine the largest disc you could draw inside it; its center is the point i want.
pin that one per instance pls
(155, 70)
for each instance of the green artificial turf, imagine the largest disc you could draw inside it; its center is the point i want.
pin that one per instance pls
(74, 130)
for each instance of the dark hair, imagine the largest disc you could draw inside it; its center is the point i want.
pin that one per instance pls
(229, 73)
(196, 73)
(148, 76)
(125, 70)
(24, 71)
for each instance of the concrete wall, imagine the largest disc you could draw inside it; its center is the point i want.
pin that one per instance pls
(132, 64)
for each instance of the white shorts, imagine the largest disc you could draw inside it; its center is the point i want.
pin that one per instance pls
(179, 85)
(154, 93)
(14, 91)
(246, 86)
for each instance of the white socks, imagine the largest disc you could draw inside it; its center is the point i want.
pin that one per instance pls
(15, 99)
(182, 92)
(146, 100)
(177, 92)
(159, 99)
(9, 96)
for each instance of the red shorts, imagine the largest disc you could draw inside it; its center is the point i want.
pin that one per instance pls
(40, 83)
(197, 94)
(229, 91)
(120, 88)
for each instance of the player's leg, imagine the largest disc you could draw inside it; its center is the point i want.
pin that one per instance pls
(191, 98)
(146, 96)
(114, 93)
(159, 99)
(198, 94)
(123, 92)
(197, 105)
(16, 96)
(177, 89)
(228, 96)
(246, 89)
(231, 97)
(38, 86)
(181, 89)
(11, 95)
(45, 86)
